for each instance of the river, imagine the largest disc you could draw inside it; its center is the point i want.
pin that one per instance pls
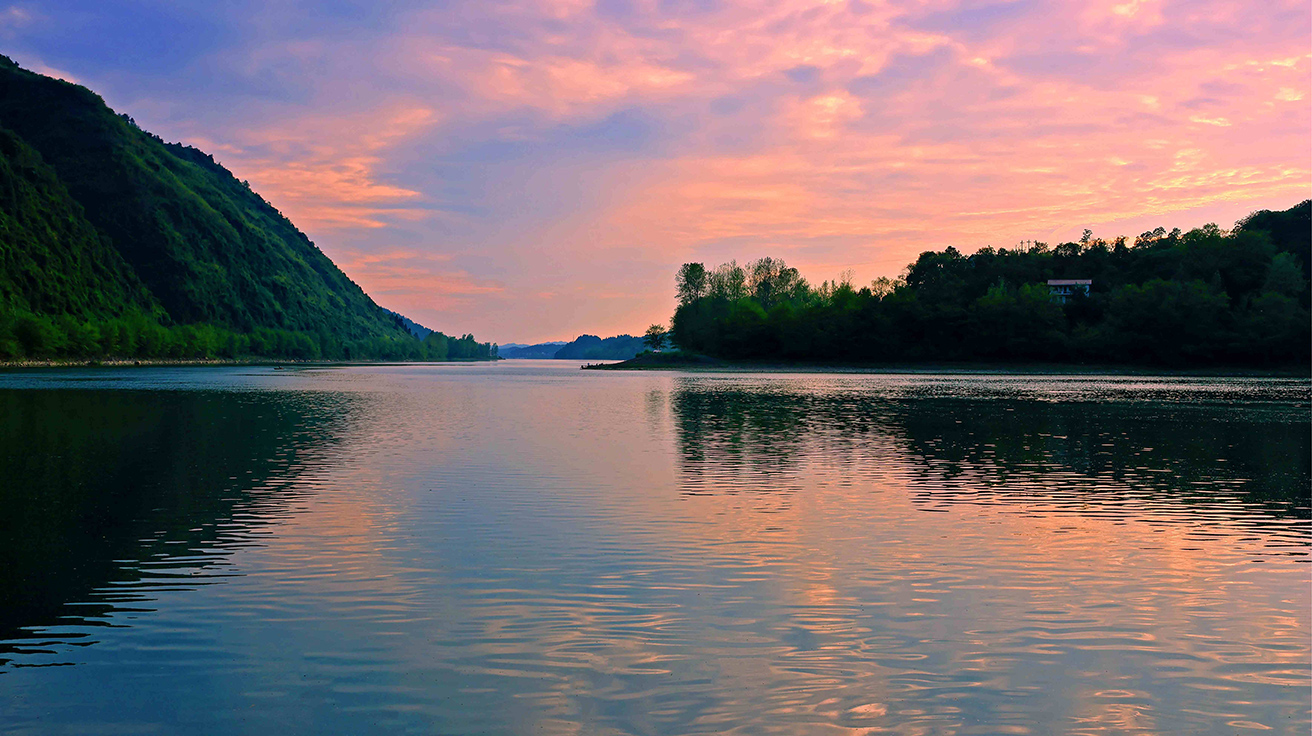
(527, 548)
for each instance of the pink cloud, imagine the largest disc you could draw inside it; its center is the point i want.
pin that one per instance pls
(419, 282)
(491, 154)
(323, 172)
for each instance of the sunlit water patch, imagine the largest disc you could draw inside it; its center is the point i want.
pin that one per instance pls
(527, 548)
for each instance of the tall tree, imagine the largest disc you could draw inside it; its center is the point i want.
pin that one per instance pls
(691, 282)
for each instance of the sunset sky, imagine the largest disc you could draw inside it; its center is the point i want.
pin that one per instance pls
(534, 170)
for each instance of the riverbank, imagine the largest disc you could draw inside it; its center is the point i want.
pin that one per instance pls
(164, 362)
(126, 362)
(706, 364)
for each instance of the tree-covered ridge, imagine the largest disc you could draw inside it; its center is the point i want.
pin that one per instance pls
(52, 260)
(583, 347)
(540, 351)
(592, 347)
(117, 244)
(1201, 297)
(203, 243)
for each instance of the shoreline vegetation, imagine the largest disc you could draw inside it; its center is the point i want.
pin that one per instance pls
(674, 361)
(1204, 299)
(62, 363)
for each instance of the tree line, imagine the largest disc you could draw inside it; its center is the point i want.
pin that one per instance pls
(1202, 297)
(25, 335)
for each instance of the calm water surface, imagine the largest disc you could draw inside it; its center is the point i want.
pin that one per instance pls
(525, 548)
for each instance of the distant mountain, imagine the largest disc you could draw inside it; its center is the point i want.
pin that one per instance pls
(557, 343)
(591, 347)
(115, 243)
(584, 347)
(545, 350)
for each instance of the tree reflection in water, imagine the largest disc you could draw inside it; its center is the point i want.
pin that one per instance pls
(997, 449)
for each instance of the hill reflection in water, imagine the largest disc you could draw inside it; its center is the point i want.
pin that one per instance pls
(110, 498)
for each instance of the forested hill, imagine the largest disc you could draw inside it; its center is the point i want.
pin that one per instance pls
(54, 260)
(591, 347)
(115, 243)
(583, 347)
(1203, 297)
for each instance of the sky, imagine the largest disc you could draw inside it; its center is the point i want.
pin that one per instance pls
(532, 171)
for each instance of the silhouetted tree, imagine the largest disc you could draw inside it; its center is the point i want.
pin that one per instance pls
(655, 336)
(691, 282)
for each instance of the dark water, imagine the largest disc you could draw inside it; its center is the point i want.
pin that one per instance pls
(524, 548)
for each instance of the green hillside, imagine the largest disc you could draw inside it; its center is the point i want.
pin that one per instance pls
(108, 229)
(52, 261)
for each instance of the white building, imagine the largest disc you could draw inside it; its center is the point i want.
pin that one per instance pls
(1063, 289)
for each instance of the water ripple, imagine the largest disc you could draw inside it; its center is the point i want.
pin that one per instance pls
(524, 548)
